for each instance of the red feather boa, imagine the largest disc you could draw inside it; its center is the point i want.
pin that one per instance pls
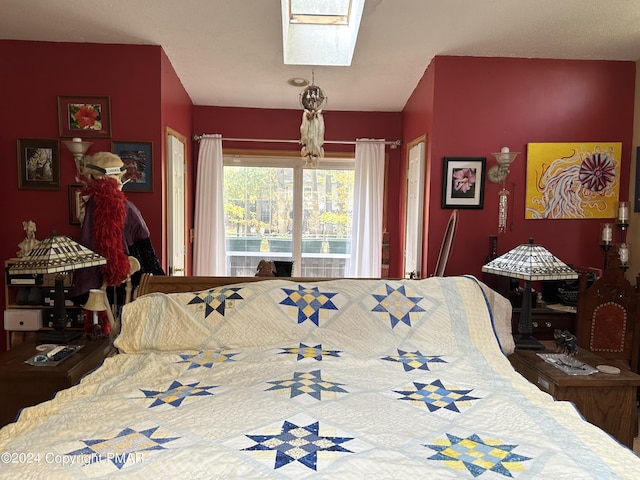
(108, 225)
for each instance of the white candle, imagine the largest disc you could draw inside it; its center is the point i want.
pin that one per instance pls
(623, 251)
(623, 212)
(607, 233)
(76, 139)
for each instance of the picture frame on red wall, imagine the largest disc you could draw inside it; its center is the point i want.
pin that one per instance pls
(38, 164)
(138, 162)
(76, 204)
(463, 182)
(84, 116)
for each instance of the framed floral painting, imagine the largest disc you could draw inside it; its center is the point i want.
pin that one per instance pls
(84, 116)
(463, 182)
(38, 164)
(573, 180)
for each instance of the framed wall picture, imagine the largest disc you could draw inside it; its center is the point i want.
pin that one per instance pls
(463, 182)
(567, 180)
(84, 116)
(38, 164)
(76, 205)
(137, 158)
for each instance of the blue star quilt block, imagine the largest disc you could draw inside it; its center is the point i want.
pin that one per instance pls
(478, 455)
(206, 359)
(307, 303)
(309, 383)
(298, 446)
(397, 304)
(303, 351)
(176, 393)
(215, 300)
(415, 360)
(435, 396)
(124, 448)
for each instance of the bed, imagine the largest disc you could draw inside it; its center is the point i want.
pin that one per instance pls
(298, 378)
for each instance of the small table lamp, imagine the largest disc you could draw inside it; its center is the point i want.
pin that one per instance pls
(529, 262)
(97, 302)
(59, 255)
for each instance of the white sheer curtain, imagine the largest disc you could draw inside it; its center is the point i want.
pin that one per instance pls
(366, 230)
(209, 250)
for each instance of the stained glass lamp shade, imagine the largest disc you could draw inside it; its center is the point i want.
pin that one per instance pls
(58, 255)
(529, 262)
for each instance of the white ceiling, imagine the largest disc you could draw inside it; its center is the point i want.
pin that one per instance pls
(229, 52)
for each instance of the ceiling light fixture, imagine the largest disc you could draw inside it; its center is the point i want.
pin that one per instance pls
(298, 82)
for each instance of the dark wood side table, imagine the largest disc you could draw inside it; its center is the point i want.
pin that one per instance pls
(605, 400)
(545, 321)
(23, 385)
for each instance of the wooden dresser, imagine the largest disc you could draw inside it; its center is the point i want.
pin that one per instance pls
(545, 320)
(605, 400)
(23, 385)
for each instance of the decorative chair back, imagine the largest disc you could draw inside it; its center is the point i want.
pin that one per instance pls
(607, 316)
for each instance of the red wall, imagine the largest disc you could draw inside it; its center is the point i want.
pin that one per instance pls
(285, 125)
(473, 106)
(34, 74)
(468, 107)
(417, 120)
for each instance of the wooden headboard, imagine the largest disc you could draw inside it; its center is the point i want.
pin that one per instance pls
(159, 283)
(607, 320)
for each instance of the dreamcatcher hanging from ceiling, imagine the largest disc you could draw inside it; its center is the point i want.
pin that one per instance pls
(312, 127)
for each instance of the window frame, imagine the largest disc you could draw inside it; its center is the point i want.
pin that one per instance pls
(289, 159)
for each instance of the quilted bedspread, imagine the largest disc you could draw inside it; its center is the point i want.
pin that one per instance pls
(363, 379)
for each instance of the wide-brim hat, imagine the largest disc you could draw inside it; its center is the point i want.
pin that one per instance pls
(104, 163)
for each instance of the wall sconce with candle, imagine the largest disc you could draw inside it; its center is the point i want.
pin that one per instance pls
(623, 216)
(623, 254)
(607, 240)
(498, 174)
(623, 223)
(78, 148)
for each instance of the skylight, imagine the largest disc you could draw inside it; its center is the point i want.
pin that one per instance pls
(320, 32)
(329, 12)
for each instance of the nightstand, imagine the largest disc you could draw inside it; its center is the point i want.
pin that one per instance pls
(608, 401)
(545, 320)
(23, 385)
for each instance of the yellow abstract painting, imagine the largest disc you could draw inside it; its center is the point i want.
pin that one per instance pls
(573, 180)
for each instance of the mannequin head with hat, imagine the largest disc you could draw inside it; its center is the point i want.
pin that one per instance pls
(104, 164)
